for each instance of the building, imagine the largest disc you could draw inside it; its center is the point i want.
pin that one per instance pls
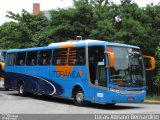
(36, 8)
(37, 11)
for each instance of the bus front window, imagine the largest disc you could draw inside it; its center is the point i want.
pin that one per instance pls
(128, 70)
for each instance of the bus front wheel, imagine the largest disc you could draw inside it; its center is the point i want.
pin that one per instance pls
(79, 97)
(21, 89)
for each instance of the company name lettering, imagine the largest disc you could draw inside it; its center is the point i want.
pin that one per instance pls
(73, 74)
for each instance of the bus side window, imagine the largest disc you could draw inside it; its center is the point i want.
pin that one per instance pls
(45, 62)
(45, 57)
(33, 62)
(77, 56)
(58, 62)
(32, 58)
(20, 58)
(11, 59)
(21, 62)
(60, 57)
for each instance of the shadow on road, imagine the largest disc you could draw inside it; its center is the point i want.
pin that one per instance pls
(114, 107)
(71, 102)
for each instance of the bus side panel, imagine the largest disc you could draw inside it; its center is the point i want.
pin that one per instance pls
(32, 84)
(76, 77)
(35, 80)
(10, 81)
(80, 80)
(47, 80)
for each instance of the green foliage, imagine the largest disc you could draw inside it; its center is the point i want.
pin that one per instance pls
(156, 79)
(94, 19)
(28, 31)
(153, 97)
(158, 59)
(158, 51)
(67, 24)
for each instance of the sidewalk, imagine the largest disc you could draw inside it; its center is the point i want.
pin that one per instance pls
(151, 102)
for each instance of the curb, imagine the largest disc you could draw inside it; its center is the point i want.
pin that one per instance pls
(151, 102)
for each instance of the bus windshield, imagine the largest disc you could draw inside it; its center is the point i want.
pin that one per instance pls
(128, 70)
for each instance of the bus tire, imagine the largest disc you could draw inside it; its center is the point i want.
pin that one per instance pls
(21, 89)
(79, 97)
(6, 89)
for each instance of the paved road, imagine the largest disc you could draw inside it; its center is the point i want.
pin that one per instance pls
(10, 102)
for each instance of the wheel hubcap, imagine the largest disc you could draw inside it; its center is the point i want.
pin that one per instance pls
(21, 89)
(79, 97)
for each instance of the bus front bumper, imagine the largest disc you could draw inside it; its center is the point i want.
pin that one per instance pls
(126, 98)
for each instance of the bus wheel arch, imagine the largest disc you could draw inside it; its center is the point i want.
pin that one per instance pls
(78, 95)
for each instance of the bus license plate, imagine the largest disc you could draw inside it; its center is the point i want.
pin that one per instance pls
(131, 99)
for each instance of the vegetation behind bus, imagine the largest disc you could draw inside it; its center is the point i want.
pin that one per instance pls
(96, 20)
(93, 20)
(156, 79)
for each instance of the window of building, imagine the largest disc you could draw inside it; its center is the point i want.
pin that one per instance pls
(10, 60)
(45, 57)
(20, 58)
(32, 58)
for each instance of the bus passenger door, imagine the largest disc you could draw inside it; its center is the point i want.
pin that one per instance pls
(100, 82)
(97, 69)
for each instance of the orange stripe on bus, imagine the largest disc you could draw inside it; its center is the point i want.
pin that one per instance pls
(67, 46)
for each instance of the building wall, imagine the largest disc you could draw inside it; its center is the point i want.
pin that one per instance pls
(36, 8)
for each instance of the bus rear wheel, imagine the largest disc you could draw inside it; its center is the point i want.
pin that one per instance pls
(21, 89)
(79, 97)
(6, 89)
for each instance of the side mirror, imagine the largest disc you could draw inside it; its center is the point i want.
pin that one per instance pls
(111, 58)
(152, 62)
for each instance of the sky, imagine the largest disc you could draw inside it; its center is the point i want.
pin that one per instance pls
(16, 6)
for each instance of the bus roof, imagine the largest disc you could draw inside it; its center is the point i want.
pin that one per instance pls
(73, 43)
(77, 42)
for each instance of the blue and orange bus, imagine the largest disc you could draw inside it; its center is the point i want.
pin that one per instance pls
(85, 70)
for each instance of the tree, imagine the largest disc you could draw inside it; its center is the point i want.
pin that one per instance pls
(158, 58)
(67, 24)
(11, 36)
(96, 19)
(28, 31)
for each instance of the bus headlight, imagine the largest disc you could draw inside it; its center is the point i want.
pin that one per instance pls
(143, 91)
(114, 90)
